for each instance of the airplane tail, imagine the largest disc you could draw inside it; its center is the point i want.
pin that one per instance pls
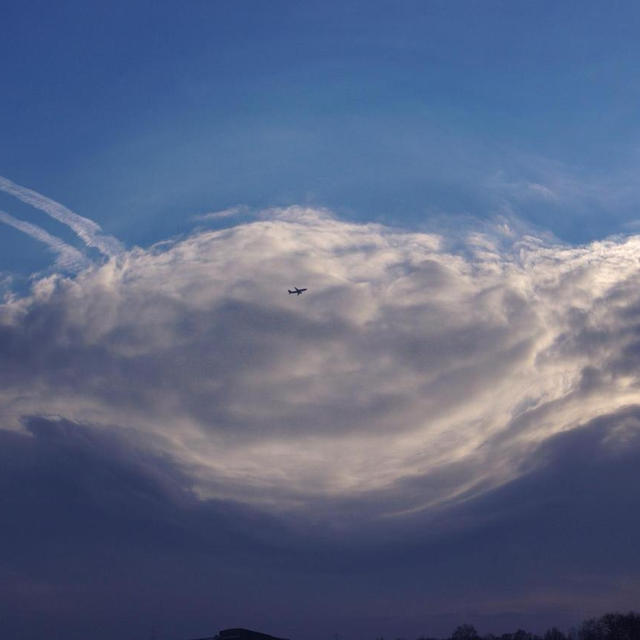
(290, 292)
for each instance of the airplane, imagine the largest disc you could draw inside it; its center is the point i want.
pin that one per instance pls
(296, 291)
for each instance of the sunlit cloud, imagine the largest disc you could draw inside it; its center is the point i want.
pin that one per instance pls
(408, 377)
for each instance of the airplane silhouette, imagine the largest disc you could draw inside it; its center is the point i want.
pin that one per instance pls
(296, 291)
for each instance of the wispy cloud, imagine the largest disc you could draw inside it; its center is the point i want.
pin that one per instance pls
(407, 377)
(223, 213)
(90, 232)
(470, 411)
(69, 258)
(533, 179)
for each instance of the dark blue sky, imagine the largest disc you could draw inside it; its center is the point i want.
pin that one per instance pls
(443, 429)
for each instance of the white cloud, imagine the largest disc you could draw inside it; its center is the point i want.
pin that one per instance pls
(69, 258)
(87, 230)
(223, 213)
(407, 376)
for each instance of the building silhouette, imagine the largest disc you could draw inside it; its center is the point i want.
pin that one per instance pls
(240, 634)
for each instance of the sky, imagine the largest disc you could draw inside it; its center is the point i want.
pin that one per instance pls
(444, 428)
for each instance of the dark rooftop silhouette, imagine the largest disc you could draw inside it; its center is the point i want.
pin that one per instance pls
(240, 634)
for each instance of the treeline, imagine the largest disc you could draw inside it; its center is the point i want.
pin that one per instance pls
(611, 626)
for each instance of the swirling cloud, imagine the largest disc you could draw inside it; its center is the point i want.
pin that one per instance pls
(409, 377)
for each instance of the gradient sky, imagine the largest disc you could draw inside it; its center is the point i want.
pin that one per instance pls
(444, 428)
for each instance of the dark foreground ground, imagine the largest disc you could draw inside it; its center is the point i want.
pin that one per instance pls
(611, 626)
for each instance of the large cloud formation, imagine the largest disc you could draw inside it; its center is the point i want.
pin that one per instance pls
(409, 376)
(440, 428)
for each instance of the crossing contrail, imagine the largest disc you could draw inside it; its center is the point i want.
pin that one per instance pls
(69, 257)
(90, 232)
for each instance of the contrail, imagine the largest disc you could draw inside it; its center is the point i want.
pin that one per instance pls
(88, 230)
(69, 257)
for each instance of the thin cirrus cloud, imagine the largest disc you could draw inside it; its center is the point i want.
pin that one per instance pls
(87, 230)
(230, 212)
(409, 378)
(69, 258)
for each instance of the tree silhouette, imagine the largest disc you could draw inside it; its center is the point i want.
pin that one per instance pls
(465, 632)
(611, 626)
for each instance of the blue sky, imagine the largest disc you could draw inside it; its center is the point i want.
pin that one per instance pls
(139, 114)
(443, 428)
